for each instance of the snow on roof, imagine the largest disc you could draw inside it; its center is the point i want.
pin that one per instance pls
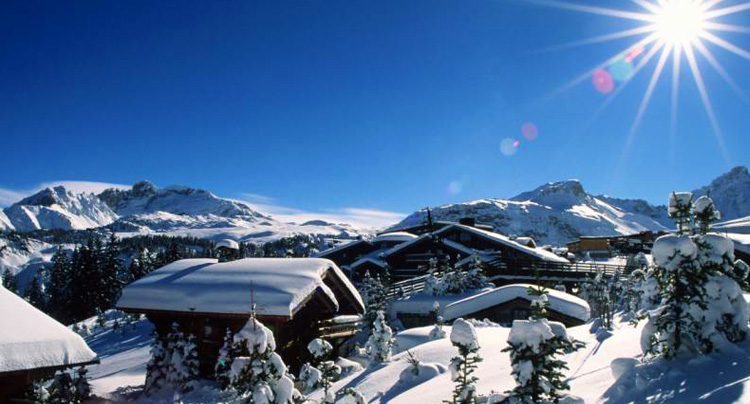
(496, 237)
(30, 339)
(537, 252)
(560, 302)
(394, 236)
(203, 285)
(228, 243)
(339, 247)
(527, 241)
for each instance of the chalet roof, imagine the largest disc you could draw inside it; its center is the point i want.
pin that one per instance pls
(30, 339)
(488, 235)
(342, 246)
(278, 286)
(560, 302)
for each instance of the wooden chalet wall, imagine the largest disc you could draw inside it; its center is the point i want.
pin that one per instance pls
(349, 253)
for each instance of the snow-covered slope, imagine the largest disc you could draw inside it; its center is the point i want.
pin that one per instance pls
(554, 213)
(730, 192)
(58, 208)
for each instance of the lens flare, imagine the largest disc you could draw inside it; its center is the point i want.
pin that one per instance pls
(529, 131)
(603, 81)
(509, 146)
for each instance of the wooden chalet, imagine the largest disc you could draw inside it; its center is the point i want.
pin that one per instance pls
(359, 257)
(460, 242)
(607, 246)
(33, 346)
(513, 302)
(501, 305)
(299, 299)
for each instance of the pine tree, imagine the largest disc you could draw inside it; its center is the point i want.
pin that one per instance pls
(322, 372)
(61, 389)
(463, 366)
(535, 346)
(373, 294)
(157, 367)
(227, 353)
(175, 356)
(35, 293)
(9, 281)
(81, 386)
(58, 292)
(437, 331)
(675, 327)
(190, 365)
(380, 343)
(261, 377)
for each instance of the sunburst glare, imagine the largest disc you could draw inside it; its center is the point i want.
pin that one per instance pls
(670, 30)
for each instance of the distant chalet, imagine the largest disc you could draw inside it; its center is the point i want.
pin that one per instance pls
(405, 253)
(33, 346)
(299, 299)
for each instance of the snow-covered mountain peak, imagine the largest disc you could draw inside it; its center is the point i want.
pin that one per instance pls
(558, 194)
(59, 208)
(730, 192)
(146, 198)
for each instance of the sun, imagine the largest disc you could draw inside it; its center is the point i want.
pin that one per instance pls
(672, 32)
(680, 22)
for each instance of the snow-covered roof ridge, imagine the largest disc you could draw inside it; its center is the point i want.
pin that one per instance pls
(394, 236)
(30, 339)
(560, 302)
(203, 285)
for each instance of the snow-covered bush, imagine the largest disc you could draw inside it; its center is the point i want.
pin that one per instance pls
(463, 366)
(351, 396)
(261, 377)
(437, 331)
(190, 367)
(61, 389)
(535, 346)
(175, 355)
(81, 386)
(379, 345)
(418, 372)
(454, 280)
(322, 372)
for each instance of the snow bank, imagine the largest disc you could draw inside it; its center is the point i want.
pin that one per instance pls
(203, 285)
(30, 339)
(560, 302)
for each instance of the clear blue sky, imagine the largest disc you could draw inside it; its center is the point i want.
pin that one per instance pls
(332, 104)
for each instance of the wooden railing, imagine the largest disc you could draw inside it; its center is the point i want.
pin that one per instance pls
(522, 270)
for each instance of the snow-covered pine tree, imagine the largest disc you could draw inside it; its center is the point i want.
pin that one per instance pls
(261, 377)
(227, 353)
(535, 346)
(61, 389)
(380, 343)
(327, 370)
(463, 366)
(373, 295)
(175, 356)
(81, 386)
(432, 282)
(190, 364)
(437, 331)
(59, 286)
(676, 326)
(726, 315)
(157, 367)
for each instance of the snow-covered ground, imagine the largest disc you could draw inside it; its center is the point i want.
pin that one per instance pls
(607, 370)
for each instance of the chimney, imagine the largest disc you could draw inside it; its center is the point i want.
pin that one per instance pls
(467, 221)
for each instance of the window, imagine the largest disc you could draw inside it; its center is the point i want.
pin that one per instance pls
(520, 314)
